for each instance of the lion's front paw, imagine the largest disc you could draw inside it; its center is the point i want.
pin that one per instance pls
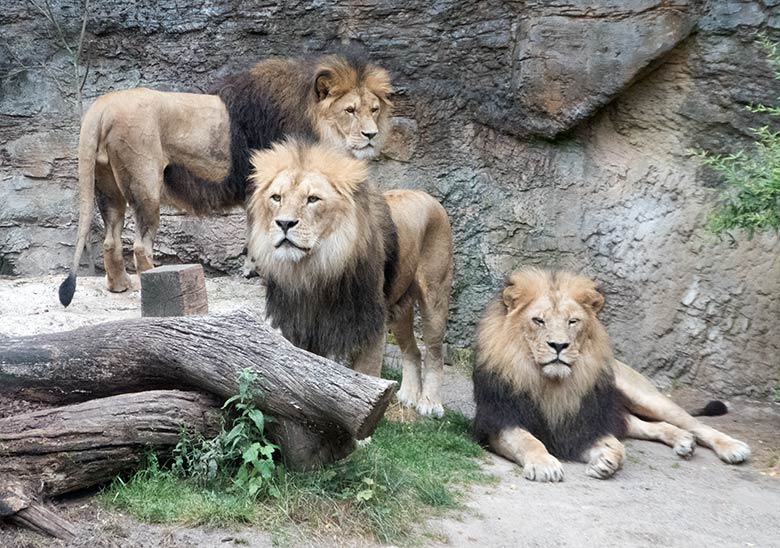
(429, 408)
(604, 466)
(546, 468)
(685, 445)
(732, 451)
(407, 395)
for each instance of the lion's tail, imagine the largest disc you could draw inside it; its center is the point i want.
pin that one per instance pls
(88, 147)
(714, 408)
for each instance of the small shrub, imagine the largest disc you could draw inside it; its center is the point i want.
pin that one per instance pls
(240, 454)
(751, 199)
(384, 489)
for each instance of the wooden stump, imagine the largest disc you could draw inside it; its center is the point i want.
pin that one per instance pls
(174, 290)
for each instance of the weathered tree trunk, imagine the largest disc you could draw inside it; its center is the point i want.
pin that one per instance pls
(320, 406)
(55, 451)
(205, 353)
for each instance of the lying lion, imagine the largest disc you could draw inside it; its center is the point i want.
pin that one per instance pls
(146, 148)
(547, 386)
(340, 259)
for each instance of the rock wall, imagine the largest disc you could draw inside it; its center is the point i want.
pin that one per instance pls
(555, 134)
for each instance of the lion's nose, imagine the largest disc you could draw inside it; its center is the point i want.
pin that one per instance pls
(369, 134)
(286, 224)
(558, 347)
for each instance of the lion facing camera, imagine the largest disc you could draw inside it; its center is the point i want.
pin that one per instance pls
(547, 386)
(340, 260)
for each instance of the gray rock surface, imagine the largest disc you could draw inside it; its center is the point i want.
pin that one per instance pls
(555, 134)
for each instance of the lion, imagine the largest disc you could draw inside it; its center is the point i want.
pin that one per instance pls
(547, 386)
(341, 260)
(146, 148)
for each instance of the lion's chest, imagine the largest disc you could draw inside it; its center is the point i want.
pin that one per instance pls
(336, 320)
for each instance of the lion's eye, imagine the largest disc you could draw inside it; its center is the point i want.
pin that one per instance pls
(375, 109)
(573, 321)
(350, 110)
(313, 199)
(538, 321)
(276, 198)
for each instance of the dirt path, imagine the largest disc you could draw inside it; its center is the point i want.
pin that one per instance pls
(656, 501)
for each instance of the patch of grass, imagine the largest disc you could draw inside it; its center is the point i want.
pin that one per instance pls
(391, 373)
(384, 489)
(157, 495)
(463, 360)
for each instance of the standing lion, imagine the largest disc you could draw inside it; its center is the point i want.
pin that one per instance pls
(340, 259)
(547, 386)
(146, 148)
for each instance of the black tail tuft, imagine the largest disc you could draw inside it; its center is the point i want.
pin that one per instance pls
(67, 289)
(715, 408)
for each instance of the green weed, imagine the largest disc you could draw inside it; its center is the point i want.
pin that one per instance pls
(384, 489)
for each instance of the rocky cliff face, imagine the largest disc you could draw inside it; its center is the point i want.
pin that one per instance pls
(556, 134)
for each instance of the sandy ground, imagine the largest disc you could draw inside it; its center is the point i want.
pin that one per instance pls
(657, 500)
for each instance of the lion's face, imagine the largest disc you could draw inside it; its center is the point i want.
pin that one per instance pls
(302, 213)
(353, 107)
(553, 332)
(353, 122)
(553, 317)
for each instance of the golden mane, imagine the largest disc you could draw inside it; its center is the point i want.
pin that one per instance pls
(503, 332)
(340, 76)
(344, 172)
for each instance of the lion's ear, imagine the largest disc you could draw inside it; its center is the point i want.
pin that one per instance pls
(592, 299)
(323, 83)
(515, 297)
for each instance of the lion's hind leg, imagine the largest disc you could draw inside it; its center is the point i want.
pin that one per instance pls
(112, 205)
(605, 457)
(146, 206)
(643, 399)
(434, 280)
(520, 446)
(411, 382)
(434, 305)
(681, 441)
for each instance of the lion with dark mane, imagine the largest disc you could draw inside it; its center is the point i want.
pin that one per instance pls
(340, 259)
(547, 386)
(146, 148)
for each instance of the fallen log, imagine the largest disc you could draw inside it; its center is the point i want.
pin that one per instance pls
(205, 353)
(55, 451)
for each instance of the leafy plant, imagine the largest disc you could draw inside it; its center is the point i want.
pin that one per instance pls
(384, 489)
(751, 200)
(241, 454)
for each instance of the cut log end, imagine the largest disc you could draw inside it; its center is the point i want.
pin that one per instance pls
(174, 290)
(377, 412)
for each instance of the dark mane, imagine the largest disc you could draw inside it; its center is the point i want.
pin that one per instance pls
(259, 116)
(315, 319)
(500, 406)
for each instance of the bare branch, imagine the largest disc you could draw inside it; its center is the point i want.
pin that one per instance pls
(83, 31)
(86, 73)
